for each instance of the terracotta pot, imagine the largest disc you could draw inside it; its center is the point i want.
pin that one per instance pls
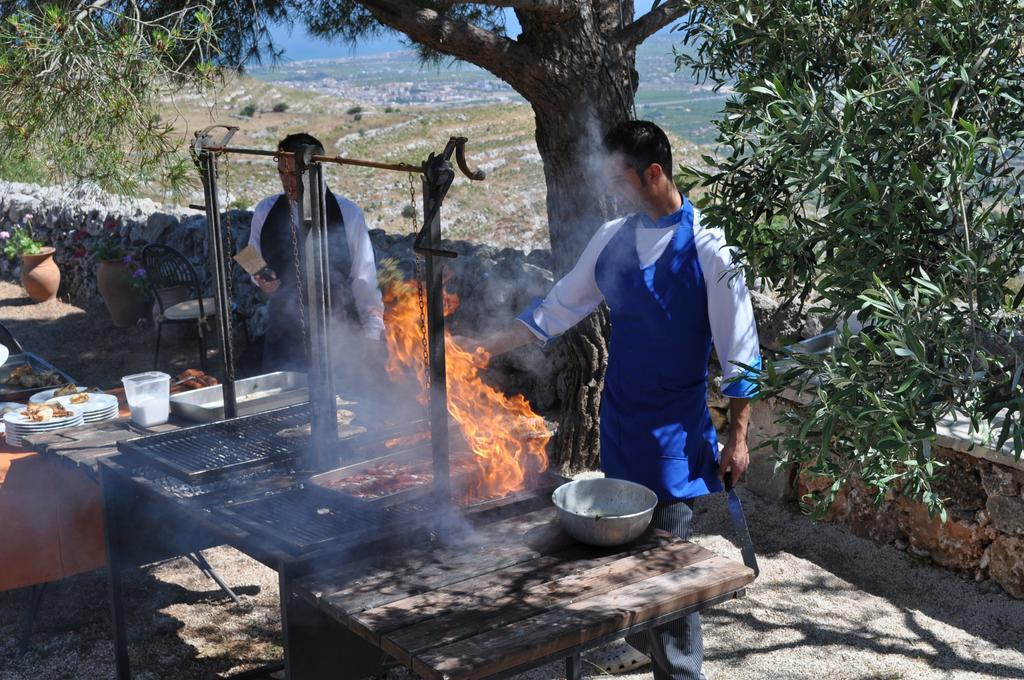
(40, 275)
(125, 303)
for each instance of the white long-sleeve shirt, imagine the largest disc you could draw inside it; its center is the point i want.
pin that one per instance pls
(363, 276)
(730, 312)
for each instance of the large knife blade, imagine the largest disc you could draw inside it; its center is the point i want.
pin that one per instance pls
(739, 522)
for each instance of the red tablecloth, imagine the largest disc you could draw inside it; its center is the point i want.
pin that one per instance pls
(51, 518)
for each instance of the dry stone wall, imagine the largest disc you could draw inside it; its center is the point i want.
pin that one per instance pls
(494, 284)
(983, 537)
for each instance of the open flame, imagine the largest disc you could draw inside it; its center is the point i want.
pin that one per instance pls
(506, 437)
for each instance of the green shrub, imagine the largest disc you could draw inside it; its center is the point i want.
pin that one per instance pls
(280, 107)
(355, 110)
(249, 110)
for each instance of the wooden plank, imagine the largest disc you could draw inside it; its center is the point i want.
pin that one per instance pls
(577, 622)
(351, 590)
(507, 582)
(462, 613)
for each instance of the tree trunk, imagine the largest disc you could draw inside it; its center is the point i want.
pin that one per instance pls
(577, 64)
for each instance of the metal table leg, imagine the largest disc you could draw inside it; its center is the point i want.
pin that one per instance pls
(573, 667)
(35, 599)
(199, 560)
(115, 563)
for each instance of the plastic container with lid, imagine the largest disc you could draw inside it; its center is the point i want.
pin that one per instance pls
(148, 395)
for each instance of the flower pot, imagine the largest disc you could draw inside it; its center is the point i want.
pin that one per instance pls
(40, 275)
(125, 303)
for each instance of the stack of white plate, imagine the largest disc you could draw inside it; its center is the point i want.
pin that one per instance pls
(18, 426)
(7, 406)
(97, 407)
(46, 395)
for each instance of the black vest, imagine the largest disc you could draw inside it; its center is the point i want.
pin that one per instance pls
(279, 251)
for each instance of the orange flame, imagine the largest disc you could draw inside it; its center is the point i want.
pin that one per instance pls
(506, 437)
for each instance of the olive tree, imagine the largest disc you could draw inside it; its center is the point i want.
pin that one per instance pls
(869, 166)
(79, 83)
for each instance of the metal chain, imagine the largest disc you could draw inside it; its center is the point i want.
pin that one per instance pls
(228, 247)
(420, 276)
(298, 273)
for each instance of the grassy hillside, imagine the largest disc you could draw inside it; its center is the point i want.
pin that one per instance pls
(390, 108)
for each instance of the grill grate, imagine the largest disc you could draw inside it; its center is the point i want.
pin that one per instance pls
(199, 453)
(299, 519)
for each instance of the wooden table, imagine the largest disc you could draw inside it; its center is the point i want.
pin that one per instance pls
(517, 594)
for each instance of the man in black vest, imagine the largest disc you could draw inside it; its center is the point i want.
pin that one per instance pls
(355, 294)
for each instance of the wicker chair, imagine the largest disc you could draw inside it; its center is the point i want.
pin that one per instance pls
(173, 277)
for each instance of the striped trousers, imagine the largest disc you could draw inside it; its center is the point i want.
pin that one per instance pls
(677, 648)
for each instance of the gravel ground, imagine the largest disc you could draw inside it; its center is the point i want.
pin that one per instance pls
(827, 604)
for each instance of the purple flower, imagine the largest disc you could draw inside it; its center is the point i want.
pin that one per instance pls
(127, 259)
(5, 234)
(27, 216)
(139, 273)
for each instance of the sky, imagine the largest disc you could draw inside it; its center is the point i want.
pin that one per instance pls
(298, 45)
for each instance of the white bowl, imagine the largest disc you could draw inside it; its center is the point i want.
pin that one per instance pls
(604, 512)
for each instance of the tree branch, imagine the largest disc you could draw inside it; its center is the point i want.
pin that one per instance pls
(548, 7)
(460, 39)
(652, 22)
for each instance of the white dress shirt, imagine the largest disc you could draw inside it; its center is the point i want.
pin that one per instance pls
(363, 276)
(730, 312)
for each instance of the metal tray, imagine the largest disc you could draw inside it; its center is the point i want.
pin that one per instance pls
(419, 456)
(253, 395)
(39, 365)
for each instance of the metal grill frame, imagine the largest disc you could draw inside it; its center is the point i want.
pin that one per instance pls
(240, 443)
(291, 519)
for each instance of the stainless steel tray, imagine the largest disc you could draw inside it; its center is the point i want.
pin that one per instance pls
(39, 365)
(253, 395)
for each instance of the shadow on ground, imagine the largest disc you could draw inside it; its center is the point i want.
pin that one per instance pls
(858, 569)
(72, 636)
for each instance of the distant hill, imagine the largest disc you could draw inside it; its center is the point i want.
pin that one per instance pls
(387, 107)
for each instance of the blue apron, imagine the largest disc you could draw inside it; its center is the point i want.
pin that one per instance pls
(655, 425)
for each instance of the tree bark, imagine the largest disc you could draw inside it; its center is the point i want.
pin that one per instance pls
(580, 86)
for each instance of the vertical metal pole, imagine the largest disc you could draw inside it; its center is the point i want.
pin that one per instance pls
(436, 179)
(115, 564)
(323, 408)
(219, 271)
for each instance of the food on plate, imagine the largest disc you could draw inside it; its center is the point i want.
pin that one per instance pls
(7, 409)
(79, 398)
(70, 388)
(41, 413)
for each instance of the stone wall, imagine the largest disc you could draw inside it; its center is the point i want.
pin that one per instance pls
(983, 537)
(493, 284)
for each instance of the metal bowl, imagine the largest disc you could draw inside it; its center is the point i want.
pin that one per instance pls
(604, 512)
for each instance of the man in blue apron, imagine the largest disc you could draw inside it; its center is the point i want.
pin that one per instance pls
(355, 295)
(672, 292)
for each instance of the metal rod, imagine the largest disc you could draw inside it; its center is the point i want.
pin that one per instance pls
(323, 407)
(219, 263)
(340, 160)
(115, 563)
(436, 181)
